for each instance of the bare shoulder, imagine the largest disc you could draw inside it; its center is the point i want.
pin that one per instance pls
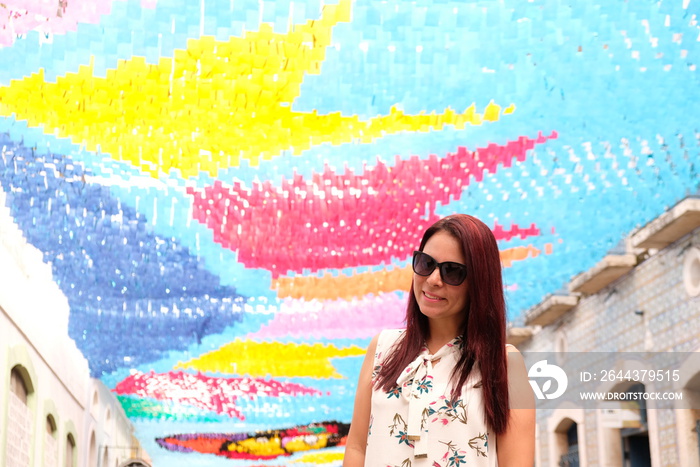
(515, 359)
(510, 348)
(372, 347)
(370, 355)
(520, 391)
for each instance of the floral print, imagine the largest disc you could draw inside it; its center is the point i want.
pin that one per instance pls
(395, 392)
(448, 410)
(403, 438)
(397, 422)
(425, 385)
(452, 431)
(480, 444)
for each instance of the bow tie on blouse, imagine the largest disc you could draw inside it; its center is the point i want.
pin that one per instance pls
(416, 384)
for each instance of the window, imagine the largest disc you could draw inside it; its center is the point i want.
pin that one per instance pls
(19, 426)
(50, 425)
(50, 443)
(70, 451)
(570, 458)
(108, 420)
(92, 457)
(635, 441)
(17, 385)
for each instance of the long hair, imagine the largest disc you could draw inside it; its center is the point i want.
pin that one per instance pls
(483, 329)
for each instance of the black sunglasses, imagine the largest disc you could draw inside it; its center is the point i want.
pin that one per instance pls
(451, 273)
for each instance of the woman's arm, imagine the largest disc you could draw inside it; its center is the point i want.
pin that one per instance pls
(357, 438)
(516, 446)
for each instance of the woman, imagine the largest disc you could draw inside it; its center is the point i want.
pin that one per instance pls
(446, 391)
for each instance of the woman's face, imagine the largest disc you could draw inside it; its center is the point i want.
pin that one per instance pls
(440, 302)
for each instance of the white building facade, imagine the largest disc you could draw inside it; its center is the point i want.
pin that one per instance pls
(52, 413)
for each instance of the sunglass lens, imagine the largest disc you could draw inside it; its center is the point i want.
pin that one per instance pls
(423, 264)
(453, 273)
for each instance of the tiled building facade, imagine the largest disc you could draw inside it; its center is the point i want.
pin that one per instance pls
(643, 298)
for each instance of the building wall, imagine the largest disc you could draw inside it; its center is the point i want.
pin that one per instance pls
(34, 335)
(646, 310)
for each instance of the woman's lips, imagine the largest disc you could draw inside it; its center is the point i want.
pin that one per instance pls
(432, 298)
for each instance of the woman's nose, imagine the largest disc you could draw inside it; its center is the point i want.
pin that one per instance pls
(434, 277)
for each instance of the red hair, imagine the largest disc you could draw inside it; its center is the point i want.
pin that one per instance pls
(483, 329)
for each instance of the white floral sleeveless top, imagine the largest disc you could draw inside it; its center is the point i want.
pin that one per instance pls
(416, 424)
